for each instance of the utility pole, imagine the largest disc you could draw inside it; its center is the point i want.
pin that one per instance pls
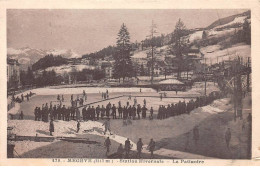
(152, 32)
(248, 75)
(239, 89)
(205, 77)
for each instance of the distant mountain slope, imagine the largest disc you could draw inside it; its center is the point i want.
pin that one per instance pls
(27, 56)
(226, 20)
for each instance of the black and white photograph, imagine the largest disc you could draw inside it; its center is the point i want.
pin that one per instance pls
(129, 84)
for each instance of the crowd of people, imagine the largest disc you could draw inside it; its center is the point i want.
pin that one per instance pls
(133, 112)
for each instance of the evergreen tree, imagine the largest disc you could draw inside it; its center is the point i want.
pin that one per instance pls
(29, 76)
(246, 35)
(23, 77)
(45, 78)
(142, 72)
(123, 65)
(179, 46)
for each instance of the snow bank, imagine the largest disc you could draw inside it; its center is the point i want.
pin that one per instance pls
(15, 109)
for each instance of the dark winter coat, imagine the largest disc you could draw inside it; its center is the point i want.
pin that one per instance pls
(51, 126)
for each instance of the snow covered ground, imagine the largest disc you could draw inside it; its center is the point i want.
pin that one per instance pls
(196, 35)
(140, 54)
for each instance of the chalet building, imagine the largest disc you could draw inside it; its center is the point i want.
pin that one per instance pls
(108, 68)
(159, 68)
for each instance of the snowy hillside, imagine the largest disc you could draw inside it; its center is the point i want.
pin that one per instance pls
(221, 30)
(212, 54)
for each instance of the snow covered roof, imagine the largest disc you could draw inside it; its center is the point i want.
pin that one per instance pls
(171, 81)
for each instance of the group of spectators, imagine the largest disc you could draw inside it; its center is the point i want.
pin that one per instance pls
(134, 112)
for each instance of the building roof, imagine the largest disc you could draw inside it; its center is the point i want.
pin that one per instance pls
(171, 81)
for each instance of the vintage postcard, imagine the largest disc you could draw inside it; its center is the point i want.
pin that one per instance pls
(130, 83)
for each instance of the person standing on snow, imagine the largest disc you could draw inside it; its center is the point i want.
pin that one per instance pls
(107, 145)
(51, 127)
(139, 147)
(107, 126)
(228, 137)
(21, 116)
(78, 126)
(120, 151)
(144, 112)
(127, 147)
(77, 114)
(114, 111)
(135, 101)
(151, 147)
(196, 135)
(151, 113)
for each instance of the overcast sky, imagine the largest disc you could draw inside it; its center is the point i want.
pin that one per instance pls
(86, 31)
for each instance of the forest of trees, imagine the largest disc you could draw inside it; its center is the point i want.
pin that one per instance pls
(49, 61)
(110, 50)
(47, 78)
